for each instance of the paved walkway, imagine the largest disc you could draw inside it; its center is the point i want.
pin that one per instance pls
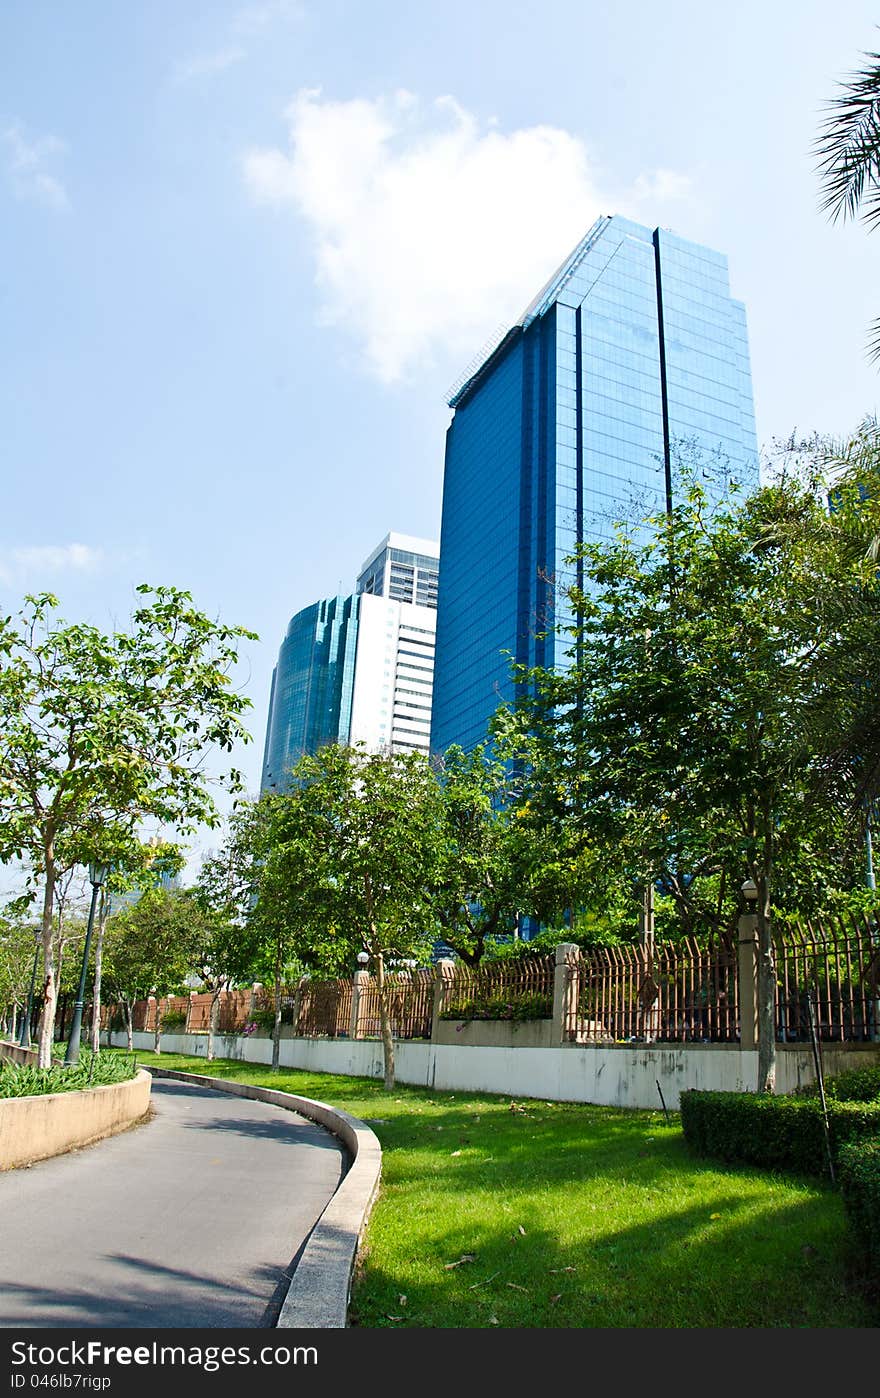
(193, 1219)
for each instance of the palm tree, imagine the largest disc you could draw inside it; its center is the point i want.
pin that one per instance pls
(849, 156)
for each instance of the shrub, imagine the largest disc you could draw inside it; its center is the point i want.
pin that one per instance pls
(506, 1005)
(173, 1019)
(855, 1085)
(92, 1070)
(859, 1172)
(784, 1133)
(264, 1019)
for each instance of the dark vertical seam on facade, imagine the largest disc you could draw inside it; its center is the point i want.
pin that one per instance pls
(579, 448)
(542, 560)
(667, 452)
(525, 506)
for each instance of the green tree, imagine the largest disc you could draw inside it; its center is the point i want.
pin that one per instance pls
(17, 948)
(848, 152)
(677, 740)
(496, 860)
(365, 834)
(150, 948)
(224, 949)
(106, 730)
(265, 875)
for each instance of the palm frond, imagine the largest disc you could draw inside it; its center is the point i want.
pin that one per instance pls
(848, 149)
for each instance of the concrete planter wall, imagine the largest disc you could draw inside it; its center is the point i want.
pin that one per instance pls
(12, 1053)
(618, 1075)
(34, 1128)
(495, 1033)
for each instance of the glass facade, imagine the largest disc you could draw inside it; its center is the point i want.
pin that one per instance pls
(310, 703)
(632, 358)
(359, 669)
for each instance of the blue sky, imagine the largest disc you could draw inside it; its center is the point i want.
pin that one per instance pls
(246, 248)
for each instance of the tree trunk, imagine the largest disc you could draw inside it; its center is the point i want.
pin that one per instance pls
(213, 1021)
(385, 1022)
(50, 999)
(129, 1025)
(276, 1028)
(157, 1036)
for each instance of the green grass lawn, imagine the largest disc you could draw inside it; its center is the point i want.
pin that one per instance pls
(525, 1213)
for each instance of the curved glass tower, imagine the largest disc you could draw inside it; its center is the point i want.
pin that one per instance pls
(633, 354)
(359, 669)
(310, 702)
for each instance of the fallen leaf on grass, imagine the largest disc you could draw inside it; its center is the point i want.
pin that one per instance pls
(485, 1282)
(401, 1300)
(394, 1317)
(493, 1320)
(456, 1152)
(465, 1257)
(714, 1215)
(513, 1286)
(563, 1269)
(554, 1299)
(521, 1229)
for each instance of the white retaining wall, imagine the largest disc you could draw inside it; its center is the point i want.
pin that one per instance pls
(618, 1076)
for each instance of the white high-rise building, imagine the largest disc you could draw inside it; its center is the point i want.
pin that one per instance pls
(359, 669)
(394, 664)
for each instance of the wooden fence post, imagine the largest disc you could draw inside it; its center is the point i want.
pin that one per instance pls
(444, 973)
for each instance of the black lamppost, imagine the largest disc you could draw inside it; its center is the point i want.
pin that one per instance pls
(24, 1038)
(97, 875)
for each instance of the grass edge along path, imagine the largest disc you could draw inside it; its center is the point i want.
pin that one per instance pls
(519, 1213)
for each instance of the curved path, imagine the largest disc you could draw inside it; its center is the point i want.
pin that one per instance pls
(193, 1219)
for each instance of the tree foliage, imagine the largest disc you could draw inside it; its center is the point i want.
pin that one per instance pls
(688, 736)
(848, 151)
(100, 731)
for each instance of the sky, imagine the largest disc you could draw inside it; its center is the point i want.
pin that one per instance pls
(246, 248)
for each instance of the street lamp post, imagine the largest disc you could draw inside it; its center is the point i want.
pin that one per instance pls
(97, 875)
(24, 1038)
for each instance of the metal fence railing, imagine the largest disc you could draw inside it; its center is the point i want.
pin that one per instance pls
(669, 992)
(672, 992)
(410, 996)
(836, 965)
(324, 1009)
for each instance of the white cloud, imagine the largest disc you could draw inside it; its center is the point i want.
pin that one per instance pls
(45, 560)
(27, 159)
(429, 230)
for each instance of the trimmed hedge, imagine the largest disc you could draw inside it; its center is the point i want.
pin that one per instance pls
(779, 1133)
(854, 1085)
(859, 1173)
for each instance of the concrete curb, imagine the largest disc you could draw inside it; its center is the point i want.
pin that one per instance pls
(318, 1295)
(51, 1123)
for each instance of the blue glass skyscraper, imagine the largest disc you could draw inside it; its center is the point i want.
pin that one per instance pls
(633, 352)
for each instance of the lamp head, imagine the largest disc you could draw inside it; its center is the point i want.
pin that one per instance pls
(750, 891)
(98, 874)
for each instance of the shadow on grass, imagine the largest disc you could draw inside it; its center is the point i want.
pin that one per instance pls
(684, 1269)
